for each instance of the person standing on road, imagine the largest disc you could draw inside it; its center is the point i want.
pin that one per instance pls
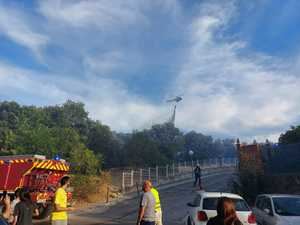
(14, 203)
(158, 211)
(59, 215)
(5, 209)
(146, 214)
(24, 210)
(226, 214)
(197, 174)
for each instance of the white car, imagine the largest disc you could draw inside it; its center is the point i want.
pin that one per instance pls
(204, 206)
(277, 209)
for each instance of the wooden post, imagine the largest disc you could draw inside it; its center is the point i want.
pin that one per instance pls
(107, 194)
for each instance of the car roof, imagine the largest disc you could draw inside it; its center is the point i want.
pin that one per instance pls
(205, 194)
(278, 195)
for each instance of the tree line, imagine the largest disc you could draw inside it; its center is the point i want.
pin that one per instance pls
(67, 131)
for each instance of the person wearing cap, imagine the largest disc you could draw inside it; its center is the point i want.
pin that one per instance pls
(158, 211)
(146, 215)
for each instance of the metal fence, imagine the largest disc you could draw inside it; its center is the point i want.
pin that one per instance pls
(133, 178)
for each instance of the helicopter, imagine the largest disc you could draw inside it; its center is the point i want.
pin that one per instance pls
(176, 99)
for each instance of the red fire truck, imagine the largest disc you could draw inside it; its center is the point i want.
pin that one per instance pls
(40, 175)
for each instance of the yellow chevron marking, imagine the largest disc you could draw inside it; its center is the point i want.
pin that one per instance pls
(45, 164)
(49, 166)
(39, 165)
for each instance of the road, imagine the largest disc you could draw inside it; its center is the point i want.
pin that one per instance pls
(173, 202)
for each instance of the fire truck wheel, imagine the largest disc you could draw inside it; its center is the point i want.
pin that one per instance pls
(44, 211)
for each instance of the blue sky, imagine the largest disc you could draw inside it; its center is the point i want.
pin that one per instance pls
(236, 62)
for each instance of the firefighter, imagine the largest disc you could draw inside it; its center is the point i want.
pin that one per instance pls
(158, 211)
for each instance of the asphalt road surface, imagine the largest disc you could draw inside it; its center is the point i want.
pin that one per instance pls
(173, 202)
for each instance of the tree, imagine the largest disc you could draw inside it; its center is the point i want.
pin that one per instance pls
(76, 117)
(290, 136)
(102, 141)
(84, 161)
(201, 145)
(168, 138)
(143, 151)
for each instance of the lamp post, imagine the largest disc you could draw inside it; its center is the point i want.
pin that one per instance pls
(191, 153)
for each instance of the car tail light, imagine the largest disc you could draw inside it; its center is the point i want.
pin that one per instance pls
(202, 216)
(251, 218)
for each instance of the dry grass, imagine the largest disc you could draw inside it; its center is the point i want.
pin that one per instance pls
(93, 189)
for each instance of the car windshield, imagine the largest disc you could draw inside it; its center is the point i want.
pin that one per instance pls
(211, 204)
(287, 206)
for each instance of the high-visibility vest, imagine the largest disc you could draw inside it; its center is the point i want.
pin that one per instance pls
(157, 200)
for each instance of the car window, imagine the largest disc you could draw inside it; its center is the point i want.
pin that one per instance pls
(211, 204)
(197, 200)
(259, 202)
(287, 206)
(266, 204)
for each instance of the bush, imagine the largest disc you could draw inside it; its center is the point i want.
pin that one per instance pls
(90, 188)
(85, 162)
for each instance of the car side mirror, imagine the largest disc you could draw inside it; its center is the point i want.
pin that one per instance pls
(190, 204)
(268, 211)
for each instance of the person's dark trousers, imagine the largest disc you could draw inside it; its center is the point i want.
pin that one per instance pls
(197, 179)
(147, 222)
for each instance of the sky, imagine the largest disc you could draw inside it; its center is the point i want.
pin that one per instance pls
(236, 63)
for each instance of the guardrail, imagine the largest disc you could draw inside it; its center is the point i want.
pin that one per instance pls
(132, 178)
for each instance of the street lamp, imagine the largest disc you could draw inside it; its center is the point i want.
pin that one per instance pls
(191, 153)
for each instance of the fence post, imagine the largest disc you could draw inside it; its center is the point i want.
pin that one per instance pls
(131, 175)
(123, 182)
(167, 171)
(173, 170)
(107, 194)
(157, 179)
(184, 164)
(141, 176)
(149, 173)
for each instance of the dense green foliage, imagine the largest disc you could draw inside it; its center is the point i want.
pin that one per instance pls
(67, 131)
(291, 136)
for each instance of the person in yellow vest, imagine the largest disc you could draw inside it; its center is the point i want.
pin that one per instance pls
(59, 215)
(158, 211)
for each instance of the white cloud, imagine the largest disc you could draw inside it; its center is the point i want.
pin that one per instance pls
(106, 100)
(15, 26)
(104, 63)
(231, 93)
(101, 14)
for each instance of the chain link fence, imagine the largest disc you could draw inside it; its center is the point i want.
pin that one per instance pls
(128, 179)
